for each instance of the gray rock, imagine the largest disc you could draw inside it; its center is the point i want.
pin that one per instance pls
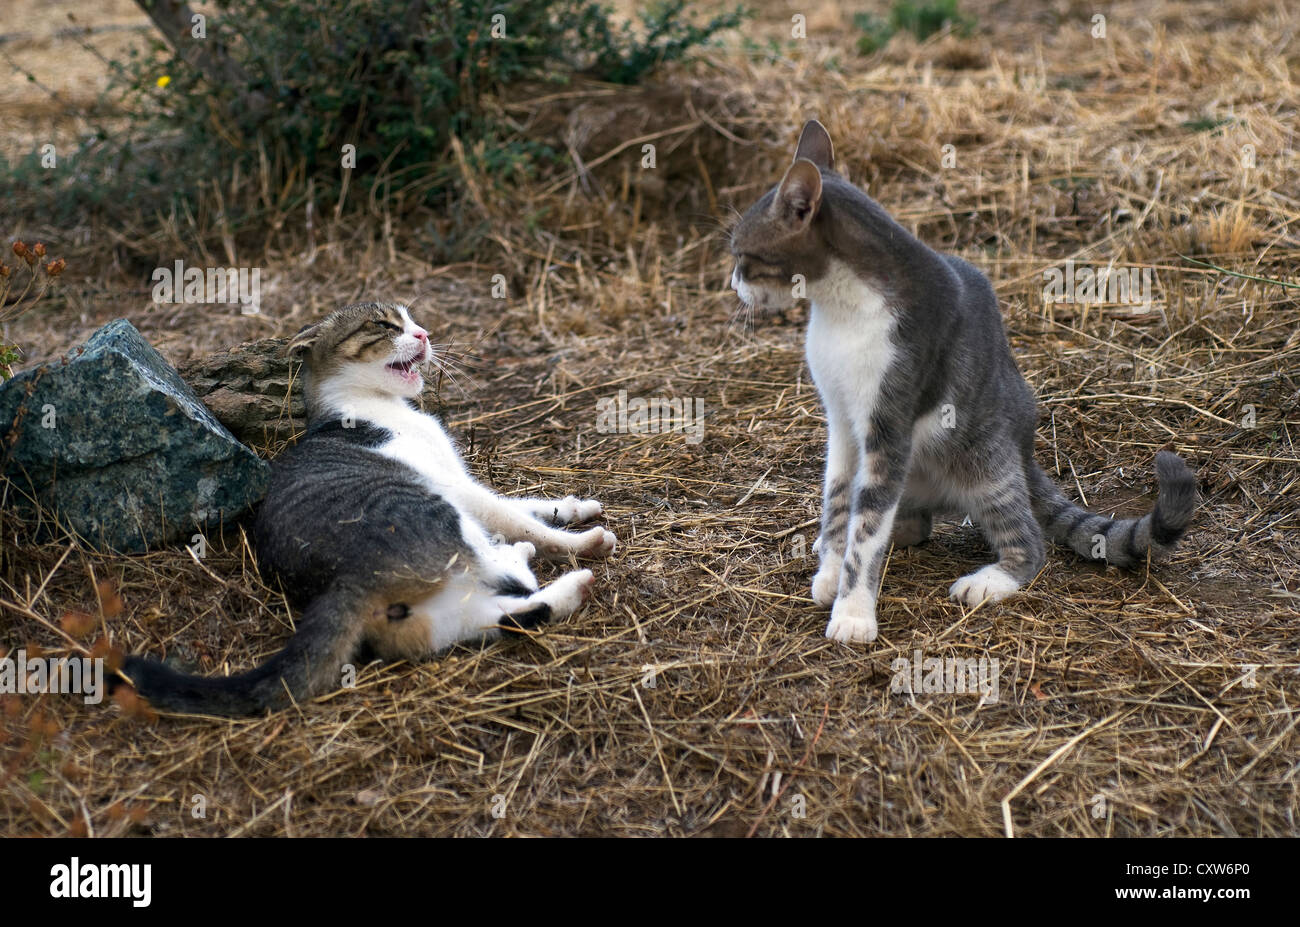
(254, 390)
(112, 440)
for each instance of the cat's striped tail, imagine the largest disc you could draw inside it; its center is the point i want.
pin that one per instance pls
(1123, 542)
(309, 665)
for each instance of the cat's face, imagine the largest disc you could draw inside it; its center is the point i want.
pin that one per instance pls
(777, 244)
(372, 347)
(771, 256)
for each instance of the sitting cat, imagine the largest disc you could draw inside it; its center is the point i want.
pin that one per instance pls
(373, 524)
(925, 408)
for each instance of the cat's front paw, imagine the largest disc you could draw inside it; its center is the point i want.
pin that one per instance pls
(992, 583)
(826, 583)
(592, 544)
(850, 624)
(584, 510)
(571, 511)
(596, 543)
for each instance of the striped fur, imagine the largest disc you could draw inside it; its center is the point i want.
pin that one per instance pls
(926, 411)
(374, 526)
(1124, 542)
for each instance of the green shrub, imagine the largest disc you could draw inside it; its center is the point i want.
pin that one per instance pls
(923, 19)
(396, 78)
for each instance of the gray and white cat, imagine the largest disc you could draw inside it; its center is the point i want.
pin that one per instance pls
(373, 523)
(926, 411)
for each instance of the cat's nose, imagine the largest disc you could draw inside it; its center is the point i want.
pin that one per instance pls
(421, 335)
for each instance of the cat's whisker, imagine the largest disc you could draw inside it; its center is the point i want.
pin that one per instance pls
(446, 372)
(718, 227)
(454, 365)
(459, 360)
(741, 321)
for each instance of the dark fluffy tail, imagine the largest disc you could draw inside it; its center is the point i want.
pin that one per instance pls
(1121, 541)
(309, 665)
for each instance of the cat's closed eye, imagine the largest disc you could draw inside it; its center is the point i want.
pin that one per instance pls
(384, 323)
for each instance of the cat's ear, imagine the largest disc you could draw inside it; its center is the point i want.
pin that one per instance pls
(815, 145)
(800, 193)
(304, 340)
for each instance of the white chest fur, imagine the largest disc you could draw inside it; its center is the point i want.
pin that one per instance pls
(849, 346)
(418, 441)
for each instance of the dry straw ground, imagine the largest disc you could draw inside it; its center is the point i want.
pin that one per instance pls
(1128, 706)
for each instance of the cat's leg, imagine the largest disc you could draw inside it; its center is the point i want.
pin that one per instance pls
(509, 562)
(912, 525)
(508, 598)
(921, 498)
(1005, 515)
(558, 600)
(559, 512)
(499, 516)
(841, 467)
(876, 496)
(470, 607)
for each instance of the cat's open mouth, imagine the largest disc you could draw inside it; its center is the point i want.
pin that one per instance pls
(409, 369)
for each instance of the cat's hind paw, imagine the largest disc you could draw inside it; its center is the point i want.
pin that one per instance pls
(850, 628)
(525, 550)
(566, 594)
(991, 583)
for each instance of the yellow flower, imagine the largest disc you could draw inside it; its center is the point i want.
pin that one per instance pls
(164, 81)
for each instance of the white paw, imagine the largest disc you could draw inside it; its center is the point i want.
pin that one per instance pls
(525, 550)
(850, 625)
(817, 545)
(992, 583)
(826, 583)
(571, 511)
(583, 509)
(592, 544)
(585, 581)
(566, 594)
(596, 543)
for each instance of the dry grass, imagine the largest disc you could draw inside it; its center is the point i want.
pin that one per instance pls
(1127, 705)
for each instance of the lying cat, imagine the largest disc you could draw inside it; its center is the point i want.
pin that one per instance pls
(373, 523)
(925, 409)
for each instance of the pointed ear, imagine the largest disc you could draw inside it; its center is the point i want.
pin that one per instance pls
(815, 145)
(303, 341)
(800, 193)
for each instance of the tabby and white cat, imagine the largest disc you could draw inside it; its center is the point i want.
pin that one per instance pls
(374, 525)
(926, 411)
